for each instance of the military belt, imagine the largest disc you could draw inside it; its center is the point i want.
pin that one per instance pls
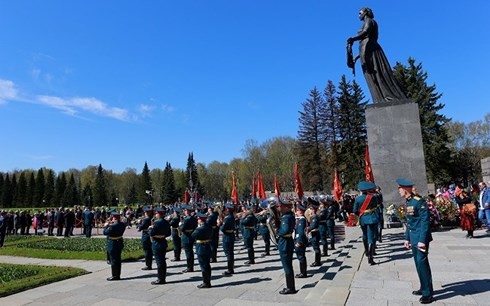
(263, 224)
(115, 238)
(323, 221)
(189, 231)
(314, 230)
(213, 226)
(368, 211)
(158, 236)
(287, 236)
(249, 227)
(229, 231)
(202, 241)
(144, 230)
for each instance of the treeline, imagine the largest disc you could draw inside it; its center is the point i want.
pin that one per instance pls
(331, 136)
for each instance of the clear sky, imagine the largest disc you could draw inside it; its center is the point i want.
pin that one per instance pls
(124, 82)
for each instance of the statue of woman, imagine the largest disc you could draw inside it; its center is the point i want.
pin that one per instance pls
(375, 66)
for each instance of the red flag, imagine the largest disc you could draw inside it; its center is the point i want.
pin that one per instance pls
(337, 187)
(196, 197)
(254, 188)
(187, 197)
(234, 193)
(297, 183)
(260, 186)
(277, 191)
(368, 169)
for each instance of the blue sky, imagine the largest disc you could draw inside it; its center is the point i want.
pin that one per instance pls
(124, 82)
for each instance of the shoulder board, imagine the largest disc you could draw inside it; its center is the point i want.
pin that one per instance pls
(417, 198)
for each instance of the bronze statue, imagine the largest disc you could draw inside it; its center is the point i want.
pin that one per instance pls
(375, 66)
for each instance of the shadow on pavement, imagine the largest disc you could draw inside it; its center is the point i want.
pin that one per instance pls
(463, 288)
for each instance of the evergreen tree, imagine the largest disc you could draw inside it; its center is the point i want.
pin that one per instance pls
(21, 192)
(131, 196)
(39, 191)
(71, 197)
(311, 142)
(100, 191)
(1, 189)
(7, 192)
(13, 189)
(169, 194)
(31, 190)
(145, 193)
(60, 188)
(352, 132)
(87, 196)
(49, 189)
(191, 175)
(434, 134)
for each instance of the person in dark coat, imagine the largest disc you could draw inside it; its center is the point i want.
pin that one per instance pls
(248, 222)
(88, 220)
(176, 233)
(212, 221)
(188, 225)
(332, 209)
(264, 231)
(314, 231)
(228, 230)
(286, 245)
(159, 232)
(3, 227)
(202, 236)
(322, 226)
(143, 227)
(301, 241)
(60, 221)
(114, 230)
(70, 222)
(50, 216)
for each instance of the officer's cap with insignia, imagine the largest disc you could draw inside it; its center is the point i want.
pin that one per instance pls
(248, 206)
(283, 202)
(200, 215)
(115, 214)
(188, 207)
(300, 207)
(404, 183)
(178, 210)
(229, 206)
(147, 208)
(364, 186)
(160, 210)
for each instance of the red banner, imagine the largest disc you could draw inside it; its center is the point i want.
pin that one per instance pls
(277, 191)
(187, 197)
(260, 186)
(368, 169)
(337, 187)
(234, 193)
(297, 183)
(254, 188)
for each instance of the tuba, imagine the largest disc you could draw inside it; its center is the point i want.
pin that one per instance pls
(274, 219)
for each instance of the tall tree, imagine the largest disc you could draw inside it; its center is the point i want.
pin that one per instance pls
(168, 192)
(40, 186)
(145, 186)
(71, 197)
(434, 134)
(100, 189)
(7, 196)
(49, 189)
(311, 142)
(87, 196)
(31, 191)
(60, 188)
(191, 174)
(131, 195)
(352, 132)
(21, 192)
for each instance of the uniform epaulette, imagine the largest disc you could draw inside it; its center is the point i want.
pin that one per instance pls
(417, 197)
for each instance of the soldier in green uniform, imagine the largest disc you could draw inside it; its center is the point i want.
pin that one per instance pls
(228, 230)
(286, 245)
(202, 235)
(143, 226)
(188, 225)
(322, 226)
(212, 221)
(176, 234)
(114, 231)
(332, 209)
(365, 207)
(314, 231)
(248, 222)
(159, 232)
(301, 241)
(417, 237)
(264, 231)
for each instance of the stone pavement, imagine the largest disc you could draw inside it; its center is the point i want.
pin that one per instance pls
(460, 270)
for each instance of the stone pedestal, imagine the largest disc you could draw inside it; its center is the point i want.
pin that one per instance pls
(485, 169)
(395, 147)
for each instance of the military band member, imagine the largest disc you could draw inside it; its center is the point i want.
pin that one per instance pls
(365, 207)
(228, 229)
(381, 220)
(114, 232)
(332, 209)
(301, 241)
(323, 225)
(314, 231)
(202, 235)
(248, 222)
(145, 223)
(188, 225)
(176, 234)
(417, 237)
(286, 245)
(264, 231)
(212, 221)
(159, 232)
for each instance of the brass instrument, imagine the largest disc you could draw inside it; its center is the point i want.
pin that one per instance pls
(274, 219)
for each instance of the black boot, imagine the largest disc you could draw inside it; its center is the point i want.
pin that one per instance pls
(325, 249)
(302, 270)
(148, 262)
(176, 256)
(116, 273)
(371, 254)
(317, 261)
(230, 270)
(190, 265)
(205, 281)
(251, 257)
(161, 276)
(366, 249)
(290, 289)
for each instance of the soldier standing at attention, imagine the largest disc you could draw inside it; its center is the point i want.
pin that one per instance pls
(365, 207)
(286, 245)
(114, 232)
(212, 221)
(332, 209)
(301, 241)
(202, 236)
(176, 234)
(323, 225)
(143, 227)
(228, 229)
(417, 237)
(264, 231)
(188, 225)
(248, 222)
(314, 231)
(159, 231)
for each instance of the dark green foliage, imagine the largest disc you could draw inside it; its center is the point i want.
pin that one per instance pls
(191, 175)
(79, 245)
(71, 196)
(169, 194)
(131, 196)
(100, 191)
(21, 191)
(39, 190)
(145, 192)
(49, 188)
(7, 196)
(60, 188)
(87, 196)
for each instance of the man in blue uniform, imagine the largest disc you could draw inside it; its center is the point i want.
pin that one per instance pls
(286, 245)
(248, 222)
(176, 234)
(228, 229)
(88, 220)
(202, 235)
(365, 207)
(301, 241)
(332, 209)
(314, 231)
(417, 237)
(212, 221)
(114, 232)
(264, 231)
(188, 225)
(159, 232)
(143, 227)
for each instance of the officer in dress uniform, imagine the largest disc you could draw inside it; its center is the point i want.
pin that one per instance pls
(365, 207)
(202, 235)
(417, 237)
(301, 241)
(188, 225)
(228, 230)
(286, 245)
(381, 220)
(159, 232)
(264, 231)
(323, 225)
(248, 222)
(212, 221)
(332, 209)
(143, 227)
(176, 234)
(314, 232)
(115, 244)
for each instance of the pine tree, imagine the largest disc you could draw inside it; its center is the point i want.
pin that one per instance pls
(145, 192)
(21, 192)
(31, 191)
(168, 189)
(7, 196)
(434, 134)
(191, 176)
(87, 196)
(49, 188)
(352, 132)
(13, 189)
(71, 197)
(39, 191)
(100, 190)
(60, 188)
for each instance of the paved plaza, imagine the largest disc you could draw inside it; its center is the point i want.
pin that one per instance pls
(460, 269)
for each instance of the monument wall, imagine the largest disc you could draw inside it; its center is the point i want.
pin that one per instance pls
(485, 169)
